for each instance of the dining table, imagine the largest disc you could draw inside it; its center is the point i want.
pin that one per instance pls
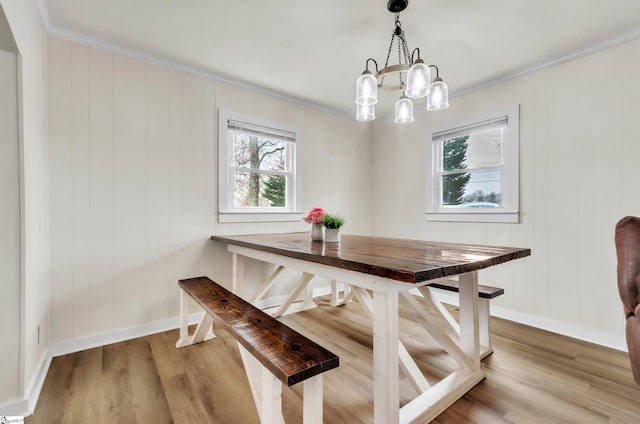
(378, 272)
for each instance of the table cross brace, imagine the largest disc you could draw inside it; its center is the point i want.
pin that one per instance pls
(408, 365)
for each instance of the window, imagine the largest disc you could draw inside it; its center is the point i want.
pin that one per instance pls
(475, 169)
(257, 170)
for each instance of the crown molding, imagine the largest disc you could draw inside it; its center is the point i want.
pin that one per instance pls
(43, 14)
(54, 31)
(62, 33)
(576, 54)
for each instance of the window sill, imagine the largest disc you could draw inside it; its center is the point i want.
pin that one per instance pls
(224, 217)
(500, 217)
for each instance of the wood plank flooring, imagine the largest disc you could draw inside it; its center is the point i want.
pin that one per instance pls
(532, 377)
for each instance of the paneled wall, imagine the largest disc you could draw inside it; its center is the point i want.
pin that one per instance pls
(133, 166)
(10, 242)
(31, 287)
(579, 155)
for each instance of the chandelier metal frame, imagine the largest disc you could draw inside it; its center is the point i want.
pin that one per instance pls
(410, 66)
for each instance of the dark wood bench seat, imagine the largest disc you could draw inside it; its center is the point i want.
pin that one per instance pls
(485, 292)
(288, 355)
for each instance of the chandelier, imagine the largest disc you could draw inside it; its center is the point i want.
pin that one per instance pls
(411, 77)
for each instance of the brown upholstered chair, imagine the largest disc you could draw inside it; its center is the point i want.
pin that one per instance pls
(628, 251)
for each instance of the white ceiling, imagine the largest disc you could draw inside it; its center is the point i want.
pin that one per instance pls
(315, 50)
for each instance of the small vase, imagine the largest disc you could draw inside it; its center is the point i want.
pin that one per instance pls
(317, 232)
(332, 235)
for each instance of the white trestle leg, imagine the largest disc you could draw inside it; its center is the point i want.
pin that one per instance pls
(469, 329)
(408, 365)
(271, 404)
(386, 392)
(204, 330)
(312, 400)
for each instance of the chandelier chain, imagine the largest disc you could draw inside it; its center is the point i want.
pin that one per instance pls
(405, 46)
(407, 57)
(386, 62)
(400, 40)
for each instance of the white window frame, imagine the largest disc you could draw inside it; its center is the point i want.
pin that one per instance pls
(509, 211)
(226, 210)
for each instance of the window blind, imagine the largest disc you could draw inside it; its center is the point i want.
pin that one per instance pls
(260, 131)
(470, 129)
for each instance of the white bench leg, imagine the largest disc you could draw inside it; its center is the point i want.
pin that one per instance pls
(312, 400)
(266, 389)
(334, 293)
(204, 330)
(484, 323)
(271, 403)
(184, 320)
(347, 295)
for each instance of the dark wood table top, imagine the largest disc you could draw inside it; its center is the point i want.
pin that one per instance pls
(410, 261)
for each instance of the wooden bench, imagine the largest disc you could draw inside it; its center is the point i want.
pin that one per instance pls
(270, 350)
(485, 294)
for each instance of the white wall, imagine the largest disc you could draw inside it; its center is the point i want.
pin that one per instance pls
(133, 186)
(133, 166)
(10, 245)
(29, 39)
(579, 155)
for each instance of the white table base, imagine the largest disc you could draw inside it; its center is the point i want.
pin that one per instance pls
(461, 341)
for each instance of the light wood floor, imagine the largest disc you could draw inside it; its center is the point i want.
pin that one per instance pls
(532, 377)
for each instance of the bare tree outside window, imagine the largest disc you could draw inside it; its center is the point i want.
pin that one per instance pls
(259, 163)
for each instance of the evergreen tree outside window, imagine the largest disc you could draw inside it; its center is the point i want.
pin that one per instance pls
(275, 190)
(257, 175)
(475, 169)
(454, 184)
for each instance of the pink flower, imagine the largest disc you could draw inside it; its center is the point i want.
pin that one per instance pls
(315, 216)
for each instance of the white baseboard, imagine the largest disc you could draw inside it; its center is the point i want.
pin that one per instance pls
(26, 407)
(566, 329)
(18, 408)
(90, 342)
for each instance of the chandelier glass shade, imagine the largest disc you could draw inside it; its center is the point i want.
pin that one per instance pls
(414, 78)
(367, 89)
(418, 78)
(365, 112)
(439, 97)
(404, 110)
